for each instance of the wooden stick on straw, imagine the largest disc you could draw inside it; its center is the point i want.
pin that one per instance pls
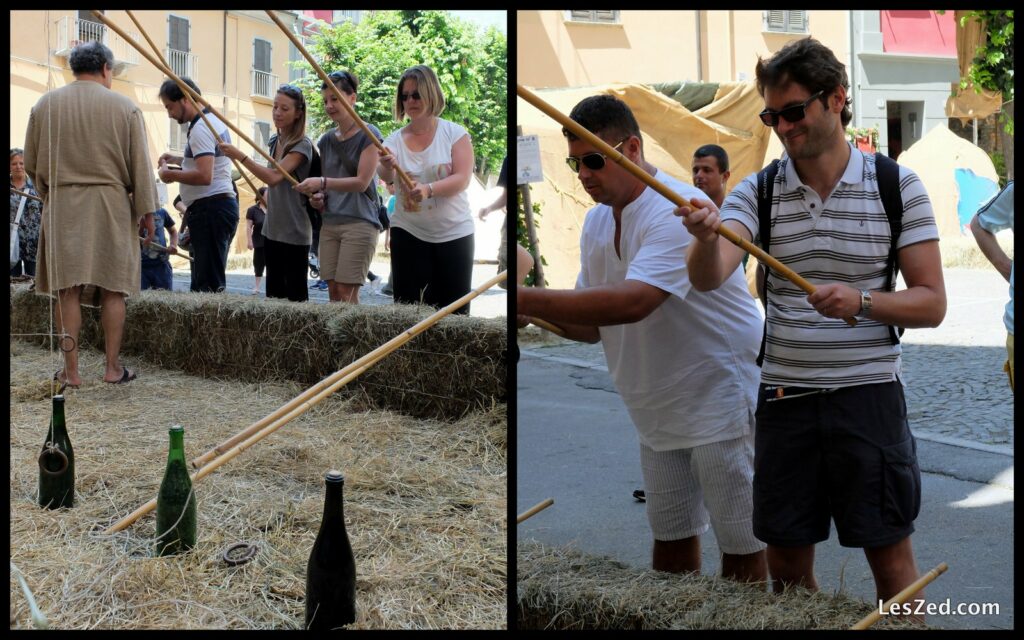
(25, 195)
(311, 397)
(901, 597)
(671, 195)
(344, 103)
(534, 510)
(188, 91)
(181, 84)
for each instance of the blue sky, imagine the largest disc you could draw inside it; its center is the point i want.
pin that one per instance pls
(485, 19)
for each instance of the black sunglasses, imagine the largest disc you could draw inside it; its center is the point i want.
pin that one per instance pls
(342, 75)
(795, 113)
(593, 161)
(292, 91)
(415, 95)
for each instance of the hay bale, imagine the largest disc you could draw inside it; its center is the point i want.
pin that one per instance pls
(561, 588)
(455, 367)
(425, 507)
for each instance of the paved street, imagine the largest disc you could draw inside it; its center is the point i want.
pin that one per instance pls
(576, 445)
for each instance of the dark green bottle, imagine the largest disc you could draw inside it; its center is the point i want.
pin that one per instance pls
(175, 504)
(57, 463)
(331, 572)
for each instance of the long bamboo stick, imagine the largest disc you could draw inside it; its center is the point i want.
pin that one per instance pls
(25, 195)
(534, 510)
(337, 92)
(306, 401)
(544, 324)
(671, 195)
(182, 85)
(167, 250)
(901, 597)
(188, 91)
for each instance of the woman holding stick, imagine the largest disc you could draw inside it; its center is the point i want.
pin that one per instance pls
(432, 229)
(31, 216)
(287, 232)
(346, 193)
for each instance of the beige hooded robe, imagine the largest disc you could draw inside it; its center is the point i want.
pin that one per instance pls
(86, 151)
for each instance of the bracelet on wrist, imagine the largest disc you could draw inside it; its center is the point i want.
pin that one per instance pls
(323, 183)
(430, 187)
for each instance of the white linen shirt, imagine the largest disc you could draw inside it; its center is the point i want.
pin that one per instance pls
(687, 372)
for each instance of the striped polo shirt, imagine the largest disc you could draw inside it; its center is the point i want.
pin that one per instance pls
(843, 239)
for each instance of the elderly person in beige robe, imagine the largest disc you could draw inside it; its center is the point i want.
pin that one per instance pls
(86, 151)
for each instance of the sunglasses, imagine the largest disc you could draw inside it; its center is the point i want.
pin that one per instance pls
(292, 91)
(342, 75)
(415, 95)
(795, 113)
(593, 161)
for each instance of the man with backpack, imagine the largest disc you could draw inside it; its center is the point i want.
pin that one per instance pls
(832, 440)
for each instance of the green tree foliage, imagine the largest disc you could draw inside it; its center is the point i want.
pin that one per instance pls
(992, 67)
(470, 65)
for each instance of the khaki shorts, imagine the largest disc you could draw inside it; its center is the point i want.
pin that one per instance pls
(346, 251)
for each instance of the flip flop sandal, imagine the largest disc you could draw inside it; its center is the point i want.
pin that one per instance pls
(127, 376)
(63, 383)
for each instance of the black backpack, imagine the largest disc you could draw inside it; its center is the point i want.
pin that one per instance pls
(315, 218)
(888, 173)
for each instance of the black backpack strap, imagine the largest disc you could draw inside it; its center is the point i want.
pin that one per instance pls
(765, 187)
(888, 174)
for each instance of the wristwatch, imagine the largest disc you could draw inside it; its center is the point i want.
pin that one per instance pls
(865, 304)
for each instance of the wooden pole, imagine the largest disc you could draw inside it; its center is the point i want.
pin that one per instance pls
(26, 195)
(181, 84)
(188, 91)
(534, 510)
(337, 92)
(669, 194)
(544, 324)
(312, 397)
(901, 597)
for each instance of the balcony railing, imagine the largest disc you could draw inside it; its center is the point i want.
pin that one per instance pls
(183, 63)
(72, 32)
(264, 84)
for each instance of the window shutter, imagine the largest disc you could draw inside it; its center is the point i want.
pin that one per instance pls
(604, 16)
(797, 21)
(776, 20)
(262, 56)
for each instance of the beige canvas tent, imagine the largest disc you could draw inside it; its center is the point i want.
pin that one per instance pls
(935, 159)
(671, 134)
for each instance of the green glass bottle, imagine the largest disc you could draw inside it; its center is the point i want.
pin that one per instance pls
(331, 572)
(57, 463)
(175, 504)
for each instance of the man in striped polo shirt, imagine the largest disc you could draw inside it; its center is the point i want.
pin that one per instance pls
(832, 439)
(681, 360)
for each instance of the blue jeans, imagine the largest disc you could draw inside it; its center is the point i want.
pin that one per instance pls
(212, 224)
(157, 276)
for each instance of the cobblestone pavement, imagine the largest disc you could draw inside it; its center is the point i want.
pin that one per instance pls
(956, 390)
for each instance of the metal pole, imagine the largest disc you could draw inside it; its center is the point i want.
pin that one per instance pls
(531, 230)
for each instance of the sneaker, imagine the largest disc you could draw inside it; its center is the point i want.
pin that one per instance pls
(386, 290)
(322, 285)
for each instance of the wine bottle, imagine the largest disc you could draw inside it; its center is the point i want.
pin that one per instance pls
(175, 503)
(331, 572)
(57, 463)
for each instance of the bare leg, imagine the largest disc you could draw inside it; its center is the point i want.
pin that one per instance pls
(749, 567)
(256, 288)
(112, 314)
(341, 292)
(677, 556)
(792, 565)
(894, 569)
(68, 321)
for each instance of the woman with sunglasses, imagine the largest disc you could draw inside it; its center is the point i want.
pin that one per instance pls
(432, 228)
(287, 232)
(347, 194)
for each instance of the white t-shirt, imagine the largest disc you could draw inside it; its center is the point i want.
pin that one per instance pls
(202, 143)
(687, 372)
(439, 219)
(845, 239)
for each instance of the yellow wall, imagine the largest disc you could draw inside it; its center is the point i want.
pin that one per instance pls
(656, 46)
(226, 86)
